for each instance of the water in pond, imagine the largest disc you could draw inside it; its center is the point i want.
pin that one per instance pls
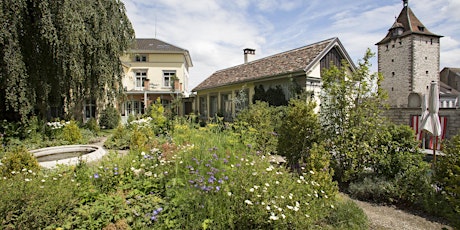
(61, 156)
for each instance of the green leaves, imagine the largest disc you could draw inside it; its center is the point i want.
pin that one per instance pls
(58, 54)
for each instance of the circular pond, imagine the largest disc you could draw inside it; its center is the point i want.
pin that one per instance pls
(67, 154)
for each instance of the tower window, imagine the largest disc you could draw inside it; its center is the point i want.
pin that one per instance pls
(392, 60)
(393, 74)
(421, 28)
(426, 72)
(393, 46)
(431, 41)
(400, 43)
(392, 89)
(387, 47)
(426, 58)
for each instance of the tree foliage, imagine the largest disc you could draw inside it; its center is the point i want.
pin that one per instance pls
(299, 130)
(56, 54)
(350, 115)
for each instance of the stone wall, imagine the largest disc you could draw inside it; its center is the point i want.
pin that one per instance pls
(403, 115)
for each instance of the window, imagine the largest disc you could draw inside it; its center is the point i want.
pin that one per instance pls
(213, 105)
(141, 58)
(141, 75)
(134, 107)
(203, 107)
(226, 106)
(168, 78)
(90, 108)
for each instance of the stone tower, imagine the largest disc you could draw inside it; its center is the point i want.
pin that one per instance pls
(408, 58)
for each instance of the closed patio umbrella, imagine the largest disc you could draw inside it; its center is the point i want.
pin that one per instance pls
(431, 122)
(422, 118)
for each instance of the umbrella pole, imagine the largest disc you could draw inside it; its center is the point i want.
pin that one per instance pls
(434, 150)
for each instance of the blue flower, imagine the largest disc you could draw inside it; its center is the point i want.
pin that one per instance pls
(96, 175)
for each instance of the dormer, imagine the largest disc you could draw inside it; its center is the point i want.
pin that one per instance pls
(397, 29)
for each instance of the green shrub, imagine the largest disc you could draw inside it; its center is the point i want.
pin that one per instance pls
(17, 160)
(71, 133)
(36, 200)
(448, 179)
(378, 190)
(110, 118)
(120, 139)
(347, 215)
(298, 131)
(260, 123)
(92, 125)
(158, 115)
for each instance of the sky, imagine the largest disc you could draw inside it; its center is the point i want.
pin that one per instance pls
(215, 32)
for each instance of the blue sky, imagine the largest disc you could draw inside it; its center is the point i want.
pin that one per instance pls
(216, 31)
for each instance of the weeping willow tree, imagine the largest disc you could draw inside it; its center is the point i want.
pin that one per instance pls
(55, 54)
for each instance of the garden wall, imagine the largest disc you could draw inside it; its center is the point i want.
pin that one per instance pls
(403, 116)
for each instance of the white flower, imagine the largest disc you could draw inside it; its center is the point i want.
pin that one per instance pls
(312, 172)
(299, 181)
(248, 202)
(27, 179)
(289, 206)
(282, 215)
(282, 197)
(297, 204)
(229, 193)
(290, 196)
(267, 184)
(296, 209)
(142, 153)
(54, 178)
(302, 178)
(148, 173)
(256, 187)
(332, 206)
(30, 171)
(268, 207)
(269, 168)
(43, 180)
(307, 215)
(273, 217)
(277, 182)
(254, 173)
(251, 190)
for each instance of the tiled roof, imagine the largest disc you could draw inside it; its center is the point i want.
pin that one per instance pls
(292, 61)
(410, 23)
(153, 44)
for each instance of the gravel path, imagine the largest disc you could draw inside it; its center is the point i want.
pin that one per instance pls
(388, 217)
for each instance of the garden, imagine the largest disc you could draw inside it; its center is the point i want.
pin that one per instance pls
(169, 172)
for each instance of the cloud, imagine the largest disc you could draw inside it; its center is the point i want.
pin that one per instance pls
(216, 31)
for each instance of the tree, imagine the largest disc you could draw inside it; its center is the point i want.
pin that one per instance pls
(298, 132)
(57, 54)
(351, 104)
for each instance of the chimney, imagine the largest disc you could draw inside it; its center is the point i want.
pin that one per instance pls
(249, 55)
